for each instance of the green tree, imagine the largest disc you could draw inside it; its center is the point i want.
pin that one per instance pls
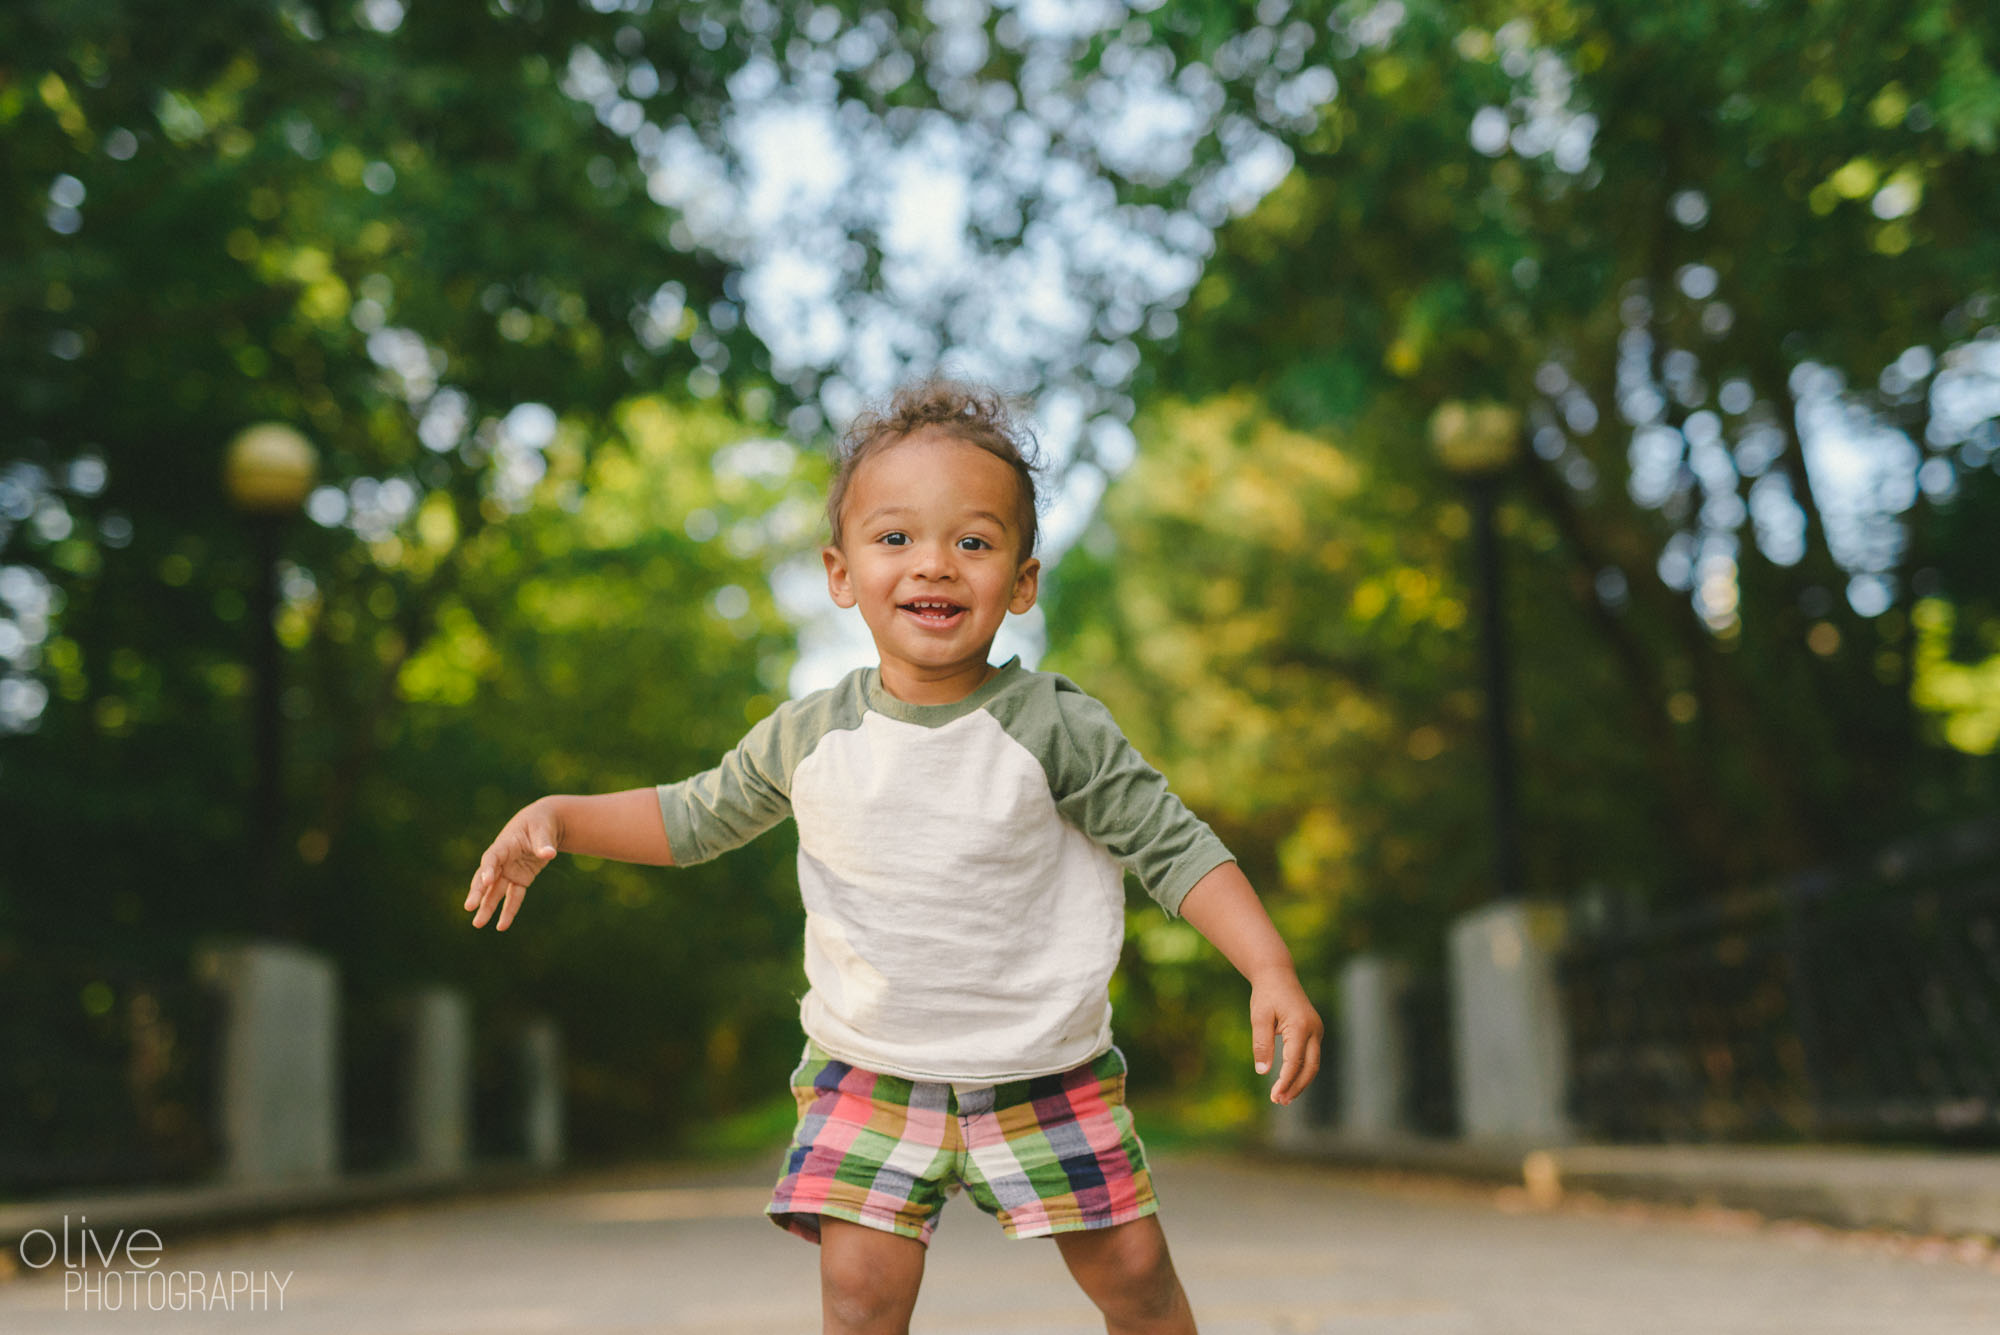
(408, 232)
(1283, 624)
(461, 248)
(620, 632)
(391, 239)
(1698, 247)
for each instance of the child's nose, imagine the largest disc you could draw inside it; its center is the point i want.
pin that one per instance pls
(935, 559)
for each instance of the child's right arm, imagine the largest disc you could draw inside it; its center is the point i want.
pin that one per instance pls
(625, 827)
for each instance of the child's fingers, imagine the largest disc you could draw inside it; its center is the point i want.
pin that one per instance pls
(481, 877)
(494, 898)
(516, 892)
(1301, 1065)
(521, 864)
(1262, 1025)
(498, 860)
(505, 894)
(1287, 1069)
(480, 904)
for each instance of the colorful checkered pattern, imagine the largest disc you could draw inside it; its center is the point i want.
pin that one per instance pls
(1044, 1156)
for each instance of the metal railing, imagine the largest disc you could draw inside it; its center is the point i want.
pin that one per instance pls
(106, 1077)
(1862, 1002)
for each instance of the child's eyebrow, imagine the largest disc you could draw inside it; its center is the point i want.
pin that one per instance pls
(882, 512)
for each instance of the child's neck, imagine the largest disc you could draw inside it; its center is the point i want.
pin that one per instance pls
(917, 686)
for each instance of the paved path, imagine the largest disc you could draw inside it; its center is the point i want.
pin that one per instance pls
(1263, 1247)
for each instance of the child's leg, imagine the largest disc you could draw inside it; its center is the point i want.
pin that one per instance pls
(1126, 1271)
(867, 1278)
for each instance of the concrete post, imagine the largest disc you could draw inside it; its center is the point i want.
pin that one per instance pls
(1508, 1033)
(1374, 1071)
(542, 1093)
(279, 1083)
(437, 1134)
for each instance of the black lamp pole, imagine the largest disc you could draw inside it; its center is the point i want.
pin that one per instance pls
(268, 470)
(1484, 490)
(267, 771)
(1479, 443)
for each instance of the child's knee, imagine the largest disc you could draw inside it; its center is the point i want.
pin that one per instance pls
(868, 1279)
(858, 1298)
(1144, 1285)
(1127, 1272)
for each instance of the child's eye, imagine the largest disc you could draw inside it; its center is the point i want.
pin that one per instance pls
(972, 544)
(895, 539)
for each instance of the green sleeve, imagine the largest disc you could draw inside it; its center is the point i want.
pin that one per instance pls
(1106, 789)
(747, 793)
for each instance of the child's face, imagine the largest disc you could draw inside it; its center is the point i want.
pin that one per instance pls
(931, 553)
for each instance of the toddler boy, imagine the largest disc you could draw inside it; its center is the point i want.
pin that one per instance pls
(964, 831)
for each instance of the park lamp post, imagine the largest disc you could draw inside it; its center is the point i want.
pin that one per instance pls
(1477, 443)
(268, 470)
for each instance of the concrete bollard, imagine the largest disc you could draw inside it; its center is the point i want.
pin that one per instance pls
(279, 1082)
(1374, 1073)
(1509, 1038)
(438, 1077)
(542, 1093)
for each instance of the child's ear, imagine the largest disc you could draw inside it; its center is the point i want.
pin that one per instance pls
(1027, 583)
(837, 583)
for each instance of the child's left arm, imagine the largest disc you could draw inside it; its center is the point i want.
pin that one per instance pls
(1224, 907)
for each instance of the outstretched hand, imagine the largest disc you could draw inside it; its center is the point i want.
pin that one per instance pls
(524, 846)
(1223, 908)
(1279, 1008)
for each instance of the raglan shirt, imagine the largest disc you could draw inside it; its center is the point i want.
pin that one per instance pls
(962, 866)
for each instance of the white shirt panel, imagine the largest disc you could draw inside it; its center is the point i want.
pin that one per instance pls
(957, 927)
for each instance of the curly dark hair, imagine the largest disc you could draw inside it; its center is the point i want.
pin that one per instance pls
(972, 413)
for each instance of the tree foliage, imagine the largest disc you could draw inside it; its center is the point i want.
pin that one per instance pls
(530, 562)
(1729, 263)
(1730, 260)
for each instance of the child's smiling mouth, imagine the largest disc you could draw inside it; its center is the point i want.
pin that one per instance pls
(934, 613)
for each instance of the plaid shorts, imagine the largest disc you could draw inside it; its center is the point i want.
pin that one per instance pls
(1045, 1155)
